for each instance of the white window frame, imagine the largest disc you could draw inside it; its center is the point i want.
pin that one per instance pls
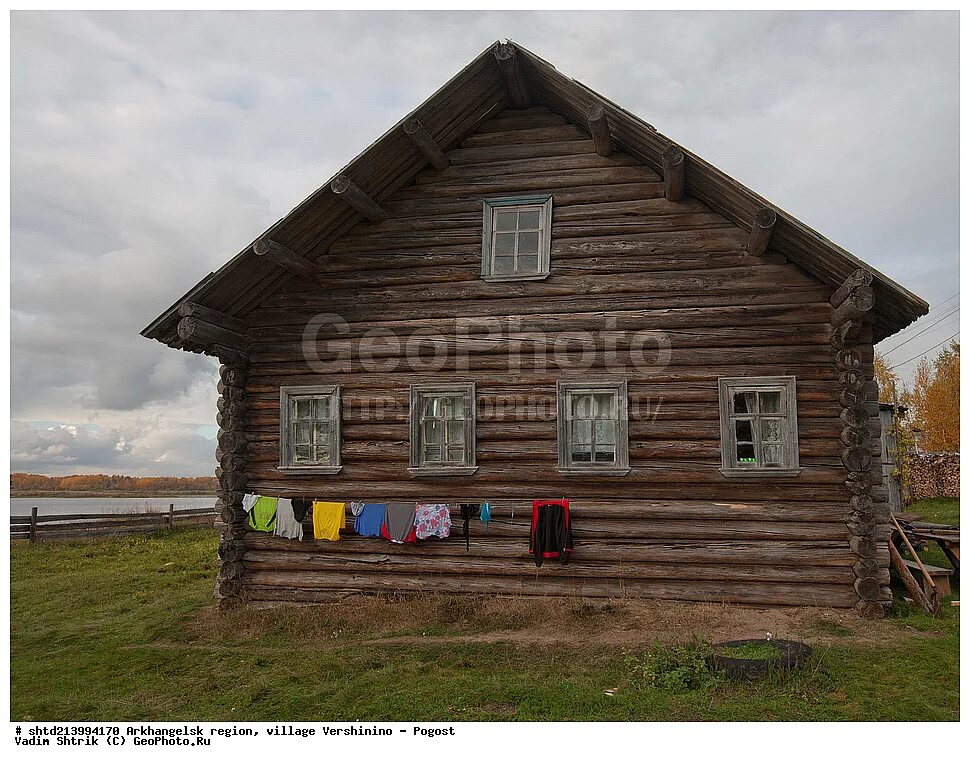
(419, 393)
(565, 390)
(287, 394)
(785, 385)
(490, 208)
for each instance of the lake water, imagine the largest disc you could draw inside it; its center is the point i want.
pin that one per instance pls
(20, 506)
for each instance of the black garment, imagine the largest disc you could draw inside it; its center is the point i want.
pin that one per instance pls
(468, 510)
(300, 507)
(551, 536)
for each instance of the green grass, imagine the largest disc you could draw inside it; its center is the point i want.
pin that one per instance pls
(939, 510)
(124, 629)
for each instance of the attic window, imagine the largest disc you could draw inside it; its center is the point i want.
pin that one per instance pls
(516, 238)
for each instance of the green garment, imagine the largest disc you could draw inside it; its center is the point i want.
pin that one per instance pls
(262, 516)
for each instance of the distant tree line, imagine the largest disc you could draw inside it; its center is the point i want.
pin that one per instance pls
(112, 483)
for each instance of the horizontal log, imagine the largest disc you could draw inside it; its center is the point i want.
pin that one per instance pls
(774, 552)
(393, 563)
(261, 585)
(856, 305)
(555, 134)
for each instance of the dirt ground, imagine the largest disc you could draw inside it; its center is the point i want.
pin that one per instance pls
(624, 623)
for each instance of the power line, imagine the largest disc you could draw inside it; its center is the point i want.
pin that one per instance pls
(916, 357)
(948, 315)
(948, 299)
(935, 308)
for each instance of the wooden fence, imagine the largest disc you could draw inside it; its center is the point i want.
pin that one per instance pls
(73, 525)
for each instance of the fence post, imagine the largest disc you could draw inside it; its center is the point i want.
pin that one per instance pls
(33, 524)
(171, 515)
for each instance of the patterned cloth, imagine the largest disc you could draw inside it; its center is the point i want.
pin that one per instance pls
(356, 508)
(432, 520)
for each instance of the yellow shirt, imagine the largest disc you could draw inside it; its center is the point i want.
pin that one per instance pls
(328, 520)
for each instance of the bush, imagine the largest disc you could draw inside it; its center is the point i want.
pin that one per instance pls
(672, 668)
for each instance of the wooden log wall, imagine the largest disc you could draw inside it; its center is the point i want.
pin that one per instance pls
(859, 397)
(624, 259)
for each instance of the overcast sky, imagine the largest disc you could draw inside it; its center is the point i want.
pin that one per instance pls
(147, 149)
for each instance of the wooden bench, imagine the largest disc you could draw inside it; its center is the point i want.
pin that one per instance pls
(940, 576)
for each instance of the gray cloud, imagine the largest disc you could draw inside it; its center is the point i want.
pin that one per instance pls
(148, 148)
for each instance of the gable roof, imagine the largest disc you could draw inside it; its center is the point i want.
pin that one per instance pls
(473, 95)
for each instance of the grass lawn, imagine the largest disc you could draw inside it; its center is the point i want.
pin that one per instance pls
(125, 629)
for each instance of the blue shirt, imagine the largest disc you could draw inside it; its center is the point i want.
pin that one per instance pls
(370, 520)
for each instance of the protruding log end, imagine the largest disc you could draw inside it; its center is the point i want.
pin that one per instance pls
(262, 247)
(673, 169)
(425, 143)
(599, 128)
(505, 57)
(761, 230)
(355, 197)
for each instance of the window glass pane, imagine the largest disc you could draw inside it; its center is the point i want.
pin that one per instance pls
(605, 454)
(321, 454)
(301, 454)
(432, 454)
(454, 407)
(529, 220)
(605, 432)
(770, 402)
(503, 265)
(773, 455)
(746, 455)
(322, 411)
(455, 455)
(743, 431)
(301, 433)
(456, 433)
(504, 243)
(605, 406)
(302, 408)
(504, 220)
(432, 407)
(582, 432)
(744, 402)
(528, 243)
(771, 429)
(528, 263)
(582, 405)
(432, 432)
(581, 453)
(321, 433)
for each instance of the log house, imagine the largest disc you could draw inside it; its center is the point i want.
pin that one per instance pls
(524, 291)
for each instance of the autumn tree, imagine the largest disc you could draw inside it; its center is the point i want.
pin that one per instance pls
(887, 379)
(935, 401)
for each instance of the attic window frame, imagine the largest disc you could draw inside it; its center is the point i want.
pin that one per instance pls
(490, 207)
(287, 395)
